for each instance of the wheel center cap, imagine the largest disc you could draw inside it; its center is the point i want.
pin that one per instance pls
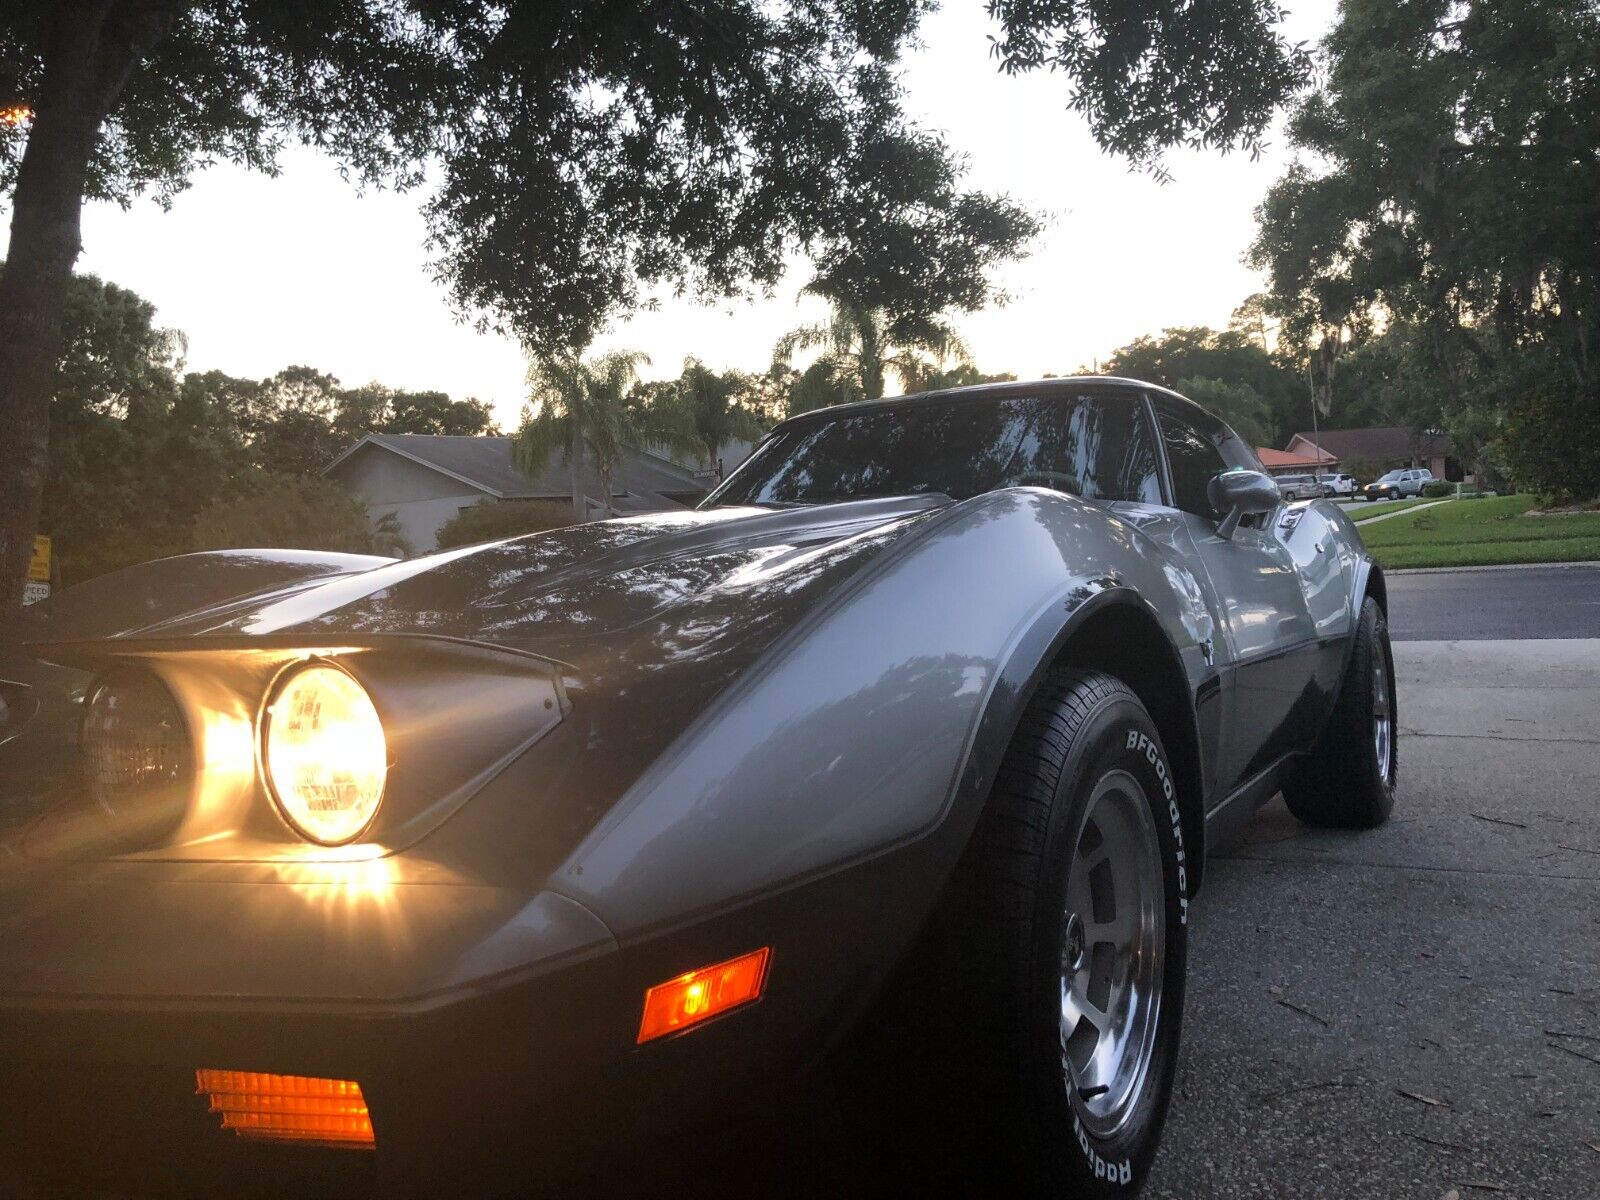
(1075, 950)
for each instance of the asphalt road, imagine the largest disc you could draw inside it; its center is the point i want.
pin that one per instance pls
(1516, 602)
(1414, 1010)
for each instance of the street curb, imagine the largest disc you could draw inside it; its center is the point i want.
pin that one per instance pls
(1590, 562)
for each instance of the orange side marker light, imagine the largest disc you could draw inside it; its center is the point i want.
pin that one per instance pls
(289, 1108)
(697, 996)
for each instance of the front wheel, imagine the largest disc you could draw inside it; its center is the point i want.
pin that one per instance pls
(1064, 963)
(1348, 779)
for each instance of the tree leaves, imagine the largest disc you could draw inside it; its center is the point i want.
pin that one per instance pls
(138, 453)
(1452, 211)
(1152, 74)
(588, 153)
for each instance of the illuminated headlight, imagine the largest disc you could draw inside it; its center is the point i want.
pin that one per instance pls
(324, 753)
(134, 738)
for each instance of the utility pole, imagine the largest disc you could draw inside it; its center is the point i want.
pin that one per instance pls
(1316, 434)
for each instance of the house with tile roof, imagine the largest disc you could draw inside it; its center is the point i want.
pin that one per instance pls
(1281, 462)
(1391, 445)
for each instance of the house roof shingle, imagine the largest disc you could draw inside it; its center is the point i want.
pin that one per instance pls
(485, 464)
(1379, 442)
(1277, 459)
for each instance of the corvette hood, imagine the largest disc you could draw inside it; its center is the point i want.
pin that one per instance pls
(570, 593)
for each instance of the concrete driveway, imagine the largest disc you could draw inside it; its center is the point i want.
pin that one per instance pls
(1415, 1010)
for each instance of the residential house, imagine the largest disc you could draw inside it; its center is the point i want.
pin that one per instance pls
(1390, 446)
(1281, 462)
(425, 479)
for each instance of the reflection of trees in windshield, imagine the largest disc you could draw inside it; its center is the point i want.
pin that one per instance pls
(1086, 445)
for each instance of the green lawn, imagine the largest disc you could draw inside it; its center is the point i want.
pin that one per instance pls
(1366, 510)
(1481, 533)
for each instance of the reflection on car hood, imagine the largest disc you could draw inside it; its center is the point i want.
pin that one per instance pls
(558, 590)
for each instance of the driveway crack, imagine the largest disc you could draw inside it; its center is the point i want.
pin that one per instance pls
(1500, 737)
(1351, 862)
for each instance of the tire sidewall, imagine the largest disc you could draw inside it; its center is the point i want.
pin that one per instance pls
(1374, 639)
(1120, 736)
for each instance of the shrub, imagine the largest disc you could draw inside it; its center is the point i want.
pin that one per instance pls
(1552, 442)
(491, 520)
(1435, 488)
(299, 512)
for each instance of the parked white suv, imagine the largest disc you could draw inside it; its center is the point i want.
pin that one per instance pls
(1340, 485)
(1395, 484)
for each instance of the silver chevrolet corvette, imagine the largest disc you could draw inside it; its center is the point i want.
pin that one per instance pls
(475, 871)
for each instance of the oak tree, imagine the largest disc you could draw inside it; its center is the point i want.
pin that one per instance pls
(584, 153)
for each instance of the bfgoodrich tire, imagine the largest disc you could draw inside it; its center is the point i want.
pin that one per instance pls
(1061, 963)
(1348, 780)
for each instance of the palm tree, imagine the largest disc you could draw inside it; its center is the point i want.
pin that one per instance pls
(860, 345)
(580, 407)
(713, 408)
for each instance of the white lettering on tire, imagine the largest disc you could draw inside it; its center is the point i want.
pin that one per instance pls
(1140, 743)
(1113, 1172)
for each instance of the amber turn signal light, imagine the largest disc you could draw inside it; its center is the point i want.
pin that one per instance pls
(289, 1108)
(697, 996)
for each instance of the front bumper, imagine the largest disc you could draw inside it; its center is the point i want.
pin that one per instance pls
(486, 1091)
(493, 1034)
(123, 978)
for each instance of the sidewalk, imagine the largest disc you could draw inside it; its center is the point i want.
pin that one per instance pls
(1401, 512)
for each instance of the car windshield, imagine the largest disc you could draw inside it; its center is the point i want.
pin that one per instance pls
(1088, 445)
(1391, 476)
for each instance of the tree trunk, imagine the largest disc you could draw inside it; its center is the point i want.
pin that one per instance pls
(574, 457)
(91, 49)
(871, 357)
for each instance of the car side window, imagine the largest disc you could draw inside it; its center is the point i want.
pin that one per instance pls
(1126, 465)
(1096, 446)
(1199, 447)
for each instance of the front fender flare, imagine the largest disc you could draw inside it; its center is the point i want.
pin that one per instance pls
(1039, 649)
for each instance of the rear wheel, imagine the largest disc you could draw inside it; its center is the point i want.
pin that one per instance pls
(1348, 780)
(1059, 971)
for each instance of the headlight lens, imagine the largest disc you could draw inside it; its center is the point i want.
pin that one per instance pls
(134, 738)
(325, 754)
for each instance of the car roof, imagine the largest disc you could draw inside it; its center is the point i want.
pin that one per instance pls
(993, 391)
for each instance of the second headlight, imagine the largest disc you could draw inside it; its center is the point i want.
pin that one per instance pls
(324, 753)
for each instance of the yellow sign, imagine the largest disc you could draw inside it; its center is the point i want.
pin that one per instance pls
(39, 568)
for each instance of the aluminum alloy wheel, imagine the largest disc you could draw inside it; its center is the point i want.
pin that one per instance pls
(1382, 713)
(1113, 954)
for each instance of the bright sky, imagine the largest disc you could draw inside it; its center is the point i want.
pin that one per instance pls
(261, 273)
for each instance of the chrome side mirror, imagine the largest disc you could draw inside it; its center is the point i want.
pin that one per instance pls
(1240, 493)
